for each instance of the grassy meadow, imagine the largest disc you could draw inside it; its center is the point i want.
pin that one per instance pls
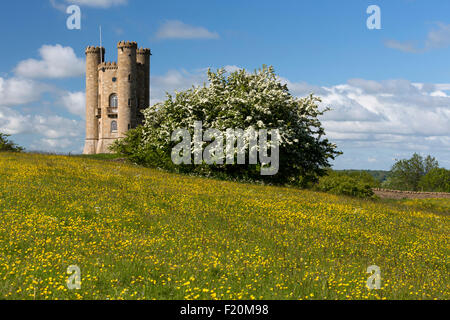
(140, 233)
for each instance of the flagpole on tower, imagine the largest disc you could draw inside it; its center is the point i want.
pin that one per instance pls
(101, 50)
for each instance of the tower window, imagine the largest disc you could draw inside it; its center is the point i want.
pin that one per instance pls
(129, 102)
(114, 79)
(113, 101)
(113, 126)
(129, 77)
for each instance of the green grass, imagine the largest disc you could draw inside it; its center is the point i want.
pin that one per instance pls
(102, 156)
(139, 233)
(437, 206)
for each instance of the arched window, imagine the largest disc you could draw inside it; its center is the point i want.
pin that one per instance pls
(113, 101)
(113, 126)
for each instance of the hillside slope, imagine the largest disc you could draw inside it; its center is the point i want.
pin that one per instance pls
(140, 233)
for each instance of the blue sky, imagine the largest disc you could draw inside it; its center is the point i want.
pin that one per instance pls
(389, 88)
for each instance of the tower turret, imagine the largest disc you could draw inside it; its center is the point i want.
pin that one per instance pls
(94, 56)
(143, 57)
(127, 80)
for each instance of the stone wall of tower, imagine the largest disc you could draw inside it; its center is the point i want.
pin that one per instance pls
(140, 93)
(127, 78)
(108, 75)
(143, 59)
(94, 55)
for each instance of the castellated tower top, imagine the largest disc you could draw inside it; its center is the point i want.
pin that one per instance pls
(127, 44)
(108, 65)
(144, 51)
(94, 49)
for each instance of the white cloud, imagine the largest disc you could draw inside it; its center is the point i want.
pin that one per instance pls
(52, 127)
(408, 46)
(75, 103)
(174, 80)
(42, 129)
(231, 69)
(174, 29)
(53, 144)
(48, 132)
(436, 39)
(178, 80)
(16, 91)
(380, 118)
(57, 62)
(392, 114)
(59, 6)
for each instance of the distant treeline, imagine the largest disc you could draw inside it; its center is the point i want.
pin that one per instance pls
(379, 175)
(415, 174)
(418, 174)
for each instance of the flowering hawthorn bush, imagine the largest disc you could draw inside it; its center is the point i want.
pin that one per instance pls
(239, 100)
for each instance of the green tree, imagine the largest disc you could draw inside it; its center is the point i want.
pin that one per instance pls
(356, 184)
(239, 100)
(362, 176)
(406, 174)
(7, 145)
(436, 180)
(429, 164)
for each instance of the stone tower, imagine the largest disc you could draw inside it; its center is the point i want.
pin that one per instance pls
(116, 93)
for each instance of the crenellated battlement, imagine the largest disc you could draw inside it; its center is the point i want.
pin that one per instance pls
(108, 65)
(93, 49)
(144, 51)
(127, 44)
